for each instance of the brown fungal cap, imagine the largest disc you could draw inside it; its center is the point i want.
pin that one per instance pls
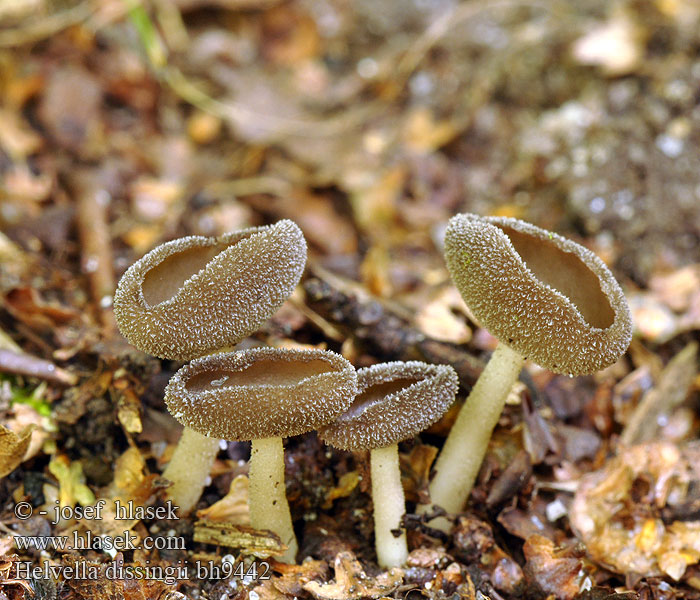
(545, 296)
(196, 294)
(395, 401)
(261, 392)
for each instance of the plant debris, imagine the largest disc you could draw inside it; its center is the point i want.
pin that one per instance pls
(126, 124)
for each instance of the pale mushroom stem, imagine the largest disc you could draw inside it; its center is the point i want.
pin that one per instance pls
(389, 506)
(464, 450)
(189, 468)
(267, 497)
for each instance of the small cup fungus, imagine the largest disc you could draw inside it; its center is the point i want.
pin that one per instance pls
(395, 401)
(195, 295)
(263, 395)
(544, 297)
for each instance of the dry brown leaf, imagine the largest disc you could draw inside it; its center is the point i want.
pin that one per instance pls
(316, 215)
(233, 507)
(555, 573)
(294, 577)
(346, 485)
(352, 583)
(203, 127)
(677, 289)
(415, 472)
(13, 447)
(153, 198)
(70, 110)
(24, 416)
(616, 510)
(437, 317)
(474, 542)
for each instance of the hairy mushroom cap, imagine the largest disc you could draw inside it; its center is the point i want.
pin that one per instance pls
(261, 392)
(197, 294)
(545, 296)
(395, 401)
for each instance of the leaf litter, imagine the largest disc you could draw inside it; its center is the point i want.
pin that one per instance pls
(370, 125)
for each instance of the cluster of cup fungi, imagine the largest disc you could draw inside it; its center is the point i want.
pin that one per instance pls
(543, 296)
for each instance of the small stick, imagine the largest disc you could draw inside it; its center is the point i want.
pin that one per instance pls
(385, 334)
(26, 364)
(96, 242)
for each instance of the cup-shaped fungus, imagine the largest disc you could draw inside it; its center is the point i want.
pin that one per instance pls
(263, 395)
(195, 295)
(543, 297)
(395, 401)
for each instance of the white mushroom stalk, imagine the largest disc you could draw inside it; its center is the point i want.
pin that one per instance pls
(263, 395)
(189, 468)
(392, 550)
(461, 457)
(395, 401)
(197, 295)
(544, 297)
(267, 499)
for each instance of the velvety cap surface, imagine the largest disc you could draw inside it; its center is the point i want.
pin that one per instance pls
(543, 295)
(261, 392)
(395, 401)
(196, 294)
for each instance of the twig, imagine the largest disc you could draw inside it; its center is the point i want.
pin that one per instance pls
(383, 332)
(96, 242)
(45, 27)
(22, 363)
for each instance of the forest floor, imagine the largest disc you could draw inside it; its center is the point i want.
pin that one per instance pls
(127, 124)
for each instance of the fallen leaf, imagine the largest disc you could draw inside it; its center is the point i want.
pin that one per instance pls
(352, 583)
(290, 36)
(474, 542)
(415, 472)
(294, 577)
(70, 110)
(554, 571)
(616, 510)
(233, 507)
(13, 447)
(25, 416)
(438, 320)
(347, 483)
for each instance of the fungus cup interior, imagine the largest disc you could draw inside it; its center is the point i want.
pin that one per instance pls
(164, 280)
(566, 273)
(375, 394)
(269, 371)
